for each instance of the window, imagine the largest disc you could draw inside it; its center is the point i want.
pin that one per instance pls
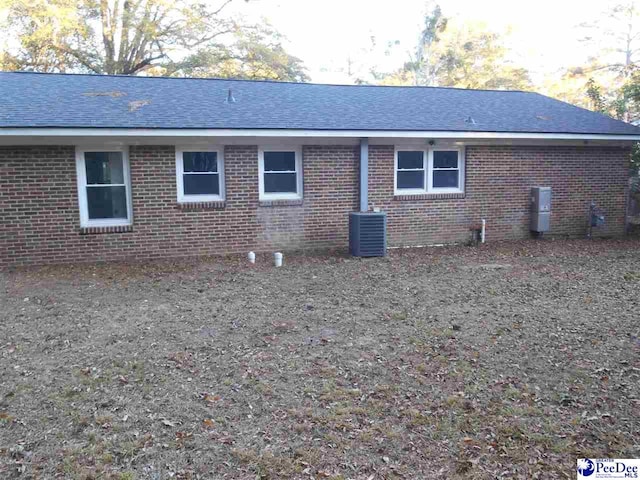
(446, 170)
(200, 175)
(280, 174)
(104, 191)
(420, 172)
(410, 171)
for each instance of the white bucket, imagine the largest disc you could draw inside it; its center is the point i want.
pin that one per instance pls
(278, 259)
(252, 257)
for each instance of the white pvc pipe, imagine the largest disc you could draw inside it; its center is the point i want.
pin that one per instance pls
(482, 232)
(252, 257)
(278, 259)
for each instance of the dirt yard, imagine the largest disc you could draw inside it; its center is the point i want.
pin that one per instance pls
(502, 361)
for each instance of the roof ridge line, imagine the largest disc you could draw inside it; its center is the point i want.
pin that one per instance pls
(164, 77)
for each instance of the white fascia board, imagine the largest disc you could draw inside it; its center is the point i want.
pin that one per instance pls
(140, 132)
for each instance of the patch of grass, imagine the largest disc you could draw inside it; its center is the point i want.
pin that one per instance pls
(445, 427)
(440, 333)
(331, 392)
(422, 368)
(264, 388)
(388, 430)
(268, 465)
(72, 392)
(417, 418)
(5, 418)
(399, 316)
(453, 401)
(500, 331)
(519, 411)
(384, 391)
(512, 392)
(550, 442)
(511, 431)
(103, 421)
(80, 422)
(128, 448)
(106, 458)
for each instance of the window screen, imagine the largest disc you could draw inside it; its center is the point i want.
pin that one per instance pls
(280, 172)
(106, 189)
(410, 170)
(446, 169)
(200, 175)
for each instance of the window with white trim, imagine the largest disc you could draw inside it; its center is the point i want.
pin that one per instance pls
(280, 173)
(419, 172)
(104, 187)
(445, 172)
(411, 171)
(199, 175)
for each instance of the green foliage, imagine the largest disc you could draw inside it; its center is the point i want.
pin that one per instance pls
(39, 27)
(613, 86)
(635, 164)
(619, 105)
(472, 56)
(611, 73)
(133, 36)
(460, 54)
(256, 54)
(434, 24)
(422, 69)
(622, 103)
(594, 92)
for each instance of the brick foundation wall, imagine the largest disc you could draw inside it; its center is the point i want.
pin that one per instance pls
(40, 222)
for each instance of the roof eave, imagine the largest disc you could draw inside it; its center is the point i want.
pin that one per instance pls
(188, 132)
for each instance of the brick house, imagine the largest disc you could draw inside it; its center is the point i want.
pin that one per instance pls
(97, 168)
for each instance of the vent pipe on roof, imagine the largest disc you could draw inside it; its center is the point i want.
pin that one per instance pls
(230, 97)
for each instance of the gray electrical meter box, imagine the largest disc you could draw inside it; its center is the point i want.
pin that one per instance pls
(540, 209)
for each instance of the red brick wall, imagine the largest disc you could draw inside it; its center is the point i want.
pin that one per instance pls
(498, 182)
(40, 220)
(38, 204)
(41, 223)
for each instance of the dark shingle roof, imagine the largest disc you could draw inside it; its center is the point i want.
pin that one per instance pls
(57, 100)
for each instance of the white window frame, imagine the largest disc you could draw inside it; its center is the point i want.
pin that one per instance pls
(81, 175)
(182, 198)
(299, 174)
(428, 158)
(425, 162)
(460, 170)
